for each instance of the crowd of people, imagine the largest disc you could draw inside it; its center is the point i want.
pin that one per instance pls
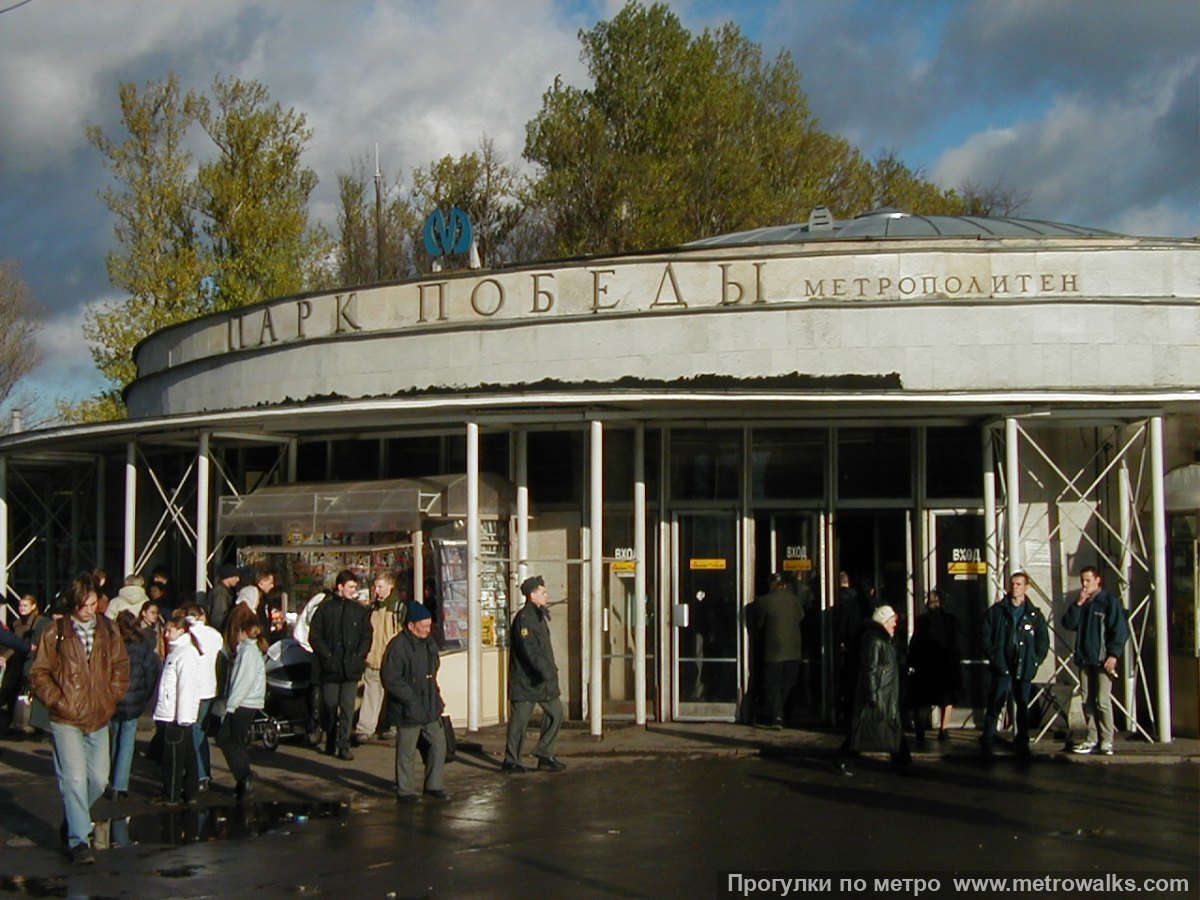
(89, 670)
(884, 684)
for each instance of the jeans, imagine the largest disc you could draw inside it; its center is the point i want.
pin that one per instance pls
(233, 739)
(338, 701)
(200, 739)
(81, 762)
(406, 751)
(1001, 685)
(122, 733)
(518, 720)
(180, 779)
(1097, 704)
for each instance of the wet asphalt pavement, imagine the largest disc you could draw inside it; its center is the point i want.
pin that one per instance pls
(629, 826)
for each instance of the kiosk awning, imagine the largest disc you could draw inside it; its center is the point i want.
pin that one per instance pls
(360, 506)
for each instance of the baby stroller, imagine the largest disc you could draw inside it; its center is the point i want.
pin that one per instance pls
(289, 711)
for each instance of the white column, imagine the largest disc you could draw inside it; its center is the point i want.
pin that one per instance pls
(1158, 512)
(293, 450)
(1125, 528)
(418, 568)
(522, 474)
(1012, 480)
(639, 574)
(130, 508)
(991, 535)
(203, 504)
(596, 579)
(474, 619)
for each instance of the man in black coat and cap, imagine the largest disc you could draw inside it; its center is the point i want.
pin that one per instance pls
(340, 635)
(409, 675)
(532, 679)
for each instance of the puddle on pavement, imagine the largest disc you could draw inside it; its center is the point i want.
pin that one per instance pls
(33, 887)
(202, 824)
(186, 825)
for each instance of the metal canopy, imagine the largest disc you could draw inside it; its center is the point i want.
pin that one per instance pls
(359, 506)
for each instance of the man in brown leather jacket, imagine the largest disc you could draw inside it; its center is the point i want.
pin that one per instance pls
(80, 673)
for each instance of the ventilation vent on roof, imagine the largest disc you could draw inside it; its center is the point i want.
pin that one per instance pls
(820, 219)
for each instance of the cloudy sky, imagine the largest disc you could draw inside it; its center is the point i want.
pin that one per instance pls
(1092, 106)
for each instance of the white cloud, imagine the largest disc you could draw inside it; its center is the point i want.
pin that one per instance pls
(1093, 162)
(60, 63)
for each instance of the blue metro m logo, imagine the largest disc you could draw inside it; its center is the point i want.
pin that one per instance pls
(445, 237)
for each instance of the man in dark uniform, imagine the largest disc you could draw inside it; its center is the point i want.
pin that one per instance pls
(532, 679)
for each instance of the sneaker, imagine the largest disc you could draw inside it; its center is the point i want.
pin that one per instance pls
(1106, 750)
(81, 854)
(1085, 747)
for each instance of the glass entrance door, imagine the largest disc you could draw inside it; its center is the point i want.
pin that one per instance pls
(705, 636)
(874, 548)
(789, 543)
(960, 573)
(623, 611)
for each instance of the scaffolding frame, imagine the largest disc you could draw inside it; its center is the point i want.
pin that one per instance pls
(1075, 500)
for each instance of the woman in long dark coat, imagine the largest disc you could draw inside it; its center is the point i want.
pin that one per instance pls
(937, 665)
(876, 725)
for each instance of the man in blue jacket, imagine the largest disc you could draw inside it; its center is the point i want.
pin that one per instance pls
(1015, 640)
(1101, 630)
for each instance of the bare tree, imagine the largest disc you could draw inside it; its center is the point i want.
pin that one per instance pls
(996, 199)
(20, 321)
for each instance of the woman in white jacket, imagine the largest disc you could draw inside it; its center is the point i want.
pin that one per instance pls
(243, 701)
(178, 705)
